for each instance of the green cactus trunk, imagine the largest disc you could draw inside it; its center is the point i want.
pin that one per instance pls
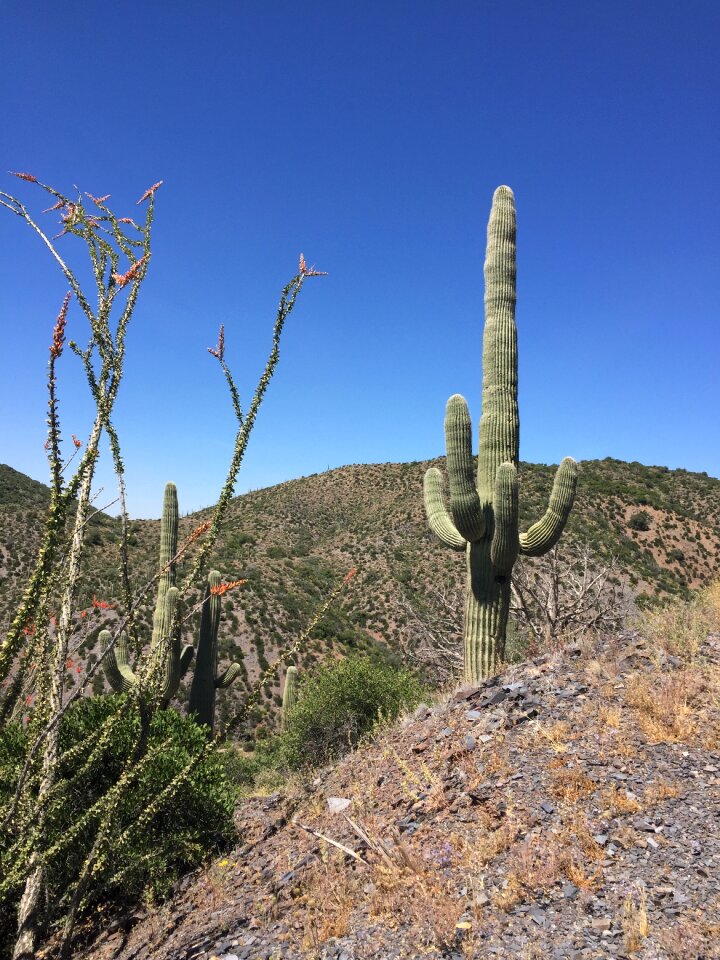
(487, 607)
(166, 645)
(202, 691)
(205, 679)
(483, 515)
(290, 695)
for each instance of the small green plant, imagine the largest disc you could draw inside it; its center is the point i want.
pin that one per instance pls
(639, 520)
(340, 704)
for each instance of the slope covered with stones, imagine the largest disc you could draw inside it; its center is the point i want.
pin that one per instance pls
(568, 809)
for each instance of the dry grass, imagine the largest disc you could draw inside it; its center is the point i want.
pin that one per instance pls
(678, 627)
(556, 735)
(609, 716)
(659, 790)
(618, 802)
(682, 942)
(669, 707)
(635, 922)
(569, 784)
(327, 896)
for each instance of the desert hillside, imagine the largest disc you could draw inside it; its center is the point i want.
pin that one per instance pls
(292, 543)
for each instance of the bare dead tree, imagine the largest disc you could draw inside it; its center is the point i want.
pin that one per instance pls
(433, 632)
(567, 593)
(555, 599)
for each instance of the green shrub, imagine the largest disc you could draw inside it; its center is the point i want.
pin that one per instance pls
(196, 822)
(640, 520)
(341, 703)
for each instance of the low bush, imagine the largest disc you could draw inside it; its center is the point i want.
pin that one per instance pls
(340, 704)
(146, 862)
(640, 520)
(679, 627)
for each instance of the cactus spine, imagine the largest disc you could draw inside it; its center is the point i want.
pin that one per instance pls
(205, 682)
(174, 659)
(483, 515)
(290, 694)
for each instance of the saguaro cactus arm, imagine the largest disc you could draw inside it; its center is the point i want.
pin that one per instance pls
(228, 676)
(543, 535)
(168, 549)
(467, 513)
(117, 667)
(504, 546)
(437, 514)
(186, 658)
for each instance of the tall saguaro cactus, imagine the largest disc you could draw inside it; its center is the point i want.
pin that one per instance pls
(205, 682)
(483, 515)
(177, 658)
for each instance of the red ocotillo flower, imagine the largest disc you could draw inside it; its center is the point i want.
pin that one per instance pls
(102, 604)
(24, 176)
(150, 191)
(199, 531)
(224, 587)
(219, 350)
(309, 271)
(59, 329)
(349, 575)
(78, 443)
(122, 279)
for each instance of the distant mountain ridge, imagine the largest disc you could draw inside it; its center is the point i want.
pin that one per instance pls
(293, 541)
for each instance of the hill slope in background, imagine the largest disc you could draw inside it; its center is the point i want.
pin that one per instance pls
(292, 543)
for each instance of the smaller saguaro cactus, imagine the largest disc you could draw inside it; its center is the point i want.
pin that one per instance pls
(205, 681)
(176, 659)
(290, 694)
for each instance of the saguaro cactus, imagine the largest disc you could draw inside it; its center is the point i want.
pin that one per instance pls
(177, 658)
(483, 515)
(205, 682)
(290, 694)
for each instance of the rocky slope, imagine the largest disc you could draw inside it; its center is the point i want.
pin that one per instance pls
(569, 808)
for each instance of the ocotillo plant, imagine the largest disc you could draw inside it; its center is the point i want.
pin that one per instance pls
(290, 694)
(483, 515)
(205, 681)
(174, 660)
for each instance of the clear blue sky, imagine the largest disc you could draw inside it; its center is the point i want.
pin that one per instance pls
(371, 136)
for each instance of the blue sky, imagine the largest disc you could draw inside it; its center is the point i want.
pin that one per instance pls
(371, 137)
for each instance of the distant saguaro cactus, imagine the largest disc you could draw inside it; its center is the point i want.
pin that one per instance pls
(177, 658)
(290, 694)
(483, 515)
(205, 682)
